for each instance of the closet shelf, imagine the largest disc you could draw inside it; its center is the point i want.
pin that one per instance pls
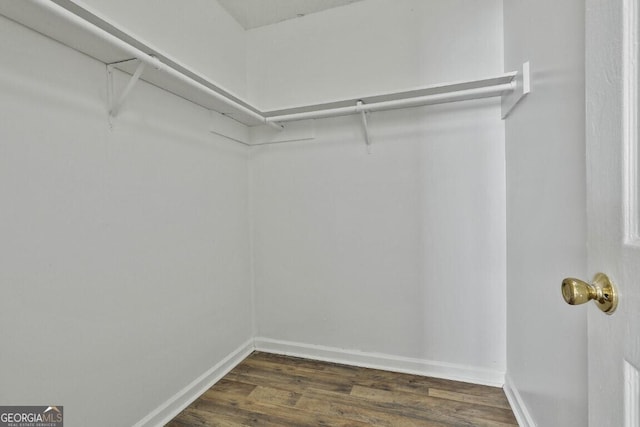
(436, 94)
(77, 27)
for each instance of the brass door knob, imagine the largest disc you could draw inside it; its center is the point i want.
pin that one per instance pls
(601, 291)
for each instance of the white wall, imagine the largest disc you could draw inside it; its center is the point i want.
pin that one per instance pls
(124, 256)
(199, 34)
(372, 47)
(401, 252)
(546, 212)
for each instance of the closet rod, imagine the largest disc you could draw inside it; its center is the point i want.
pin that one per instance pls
(148, 59)
(438, 98)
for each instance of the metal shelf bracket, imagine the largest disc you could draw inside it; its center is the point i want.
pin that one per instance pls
(522, 87)
(365, 125)
(116, 105)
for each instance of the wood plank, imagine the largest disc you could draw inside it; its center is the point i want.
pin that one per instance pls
(236, 388)
(361, 410)
(446, 410)
(192, 417)
(488, 400)
(294, 382)
(260, 413)
(274, 396)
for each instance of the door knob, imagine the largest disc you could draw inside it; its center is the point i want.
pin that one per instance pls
(601, 291)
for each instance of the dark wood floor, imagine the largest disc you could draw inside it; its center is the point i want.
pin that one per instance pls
(272, 390)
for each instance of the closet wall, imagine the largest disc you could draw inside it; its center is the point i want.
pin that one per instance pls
(394, 258)
(124, 260)
(546, 213)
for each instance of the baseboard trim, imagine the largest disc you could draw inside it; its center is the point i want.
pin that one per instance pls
(182, 399)
(384, 362)
(517, 404)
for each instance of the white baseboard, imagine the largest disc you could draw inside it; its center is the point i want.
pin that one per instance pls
(517, 404)
(385, 362)
(179, 401)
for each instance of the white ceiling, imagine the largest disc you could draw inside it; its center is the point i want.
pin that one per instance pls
(258, 13)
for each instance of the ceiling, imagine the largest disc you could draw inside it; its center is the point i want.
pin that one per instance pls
(258, 13)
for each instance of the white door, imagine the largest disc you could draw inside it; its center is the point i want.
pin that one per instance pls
(613, 192)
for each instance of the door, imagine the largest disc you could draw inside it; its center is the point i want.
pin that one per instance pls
(613, 212)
